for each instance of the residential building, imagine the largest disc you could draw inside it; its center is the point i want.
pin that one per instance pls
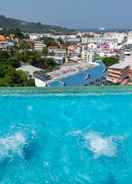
(87, 54)
(39, 45)
(58, 60)
(118, 73)
(74, 51)
(35, 36)
(5, 43)
(57, 51)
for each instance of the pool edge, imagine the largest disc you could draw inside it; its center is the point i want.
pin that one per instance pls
(73, 90)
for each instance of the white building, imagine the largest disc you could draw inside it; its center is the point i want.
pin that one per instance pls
(88, 54)
(58, 60)
(120, 37)
(40, 83)
(38, 45)
(58, 52)
(74, 51)
(35, 36)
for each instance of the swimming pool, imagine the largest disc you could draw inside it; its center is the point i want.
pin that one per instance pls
(66, 137)
(81, 78)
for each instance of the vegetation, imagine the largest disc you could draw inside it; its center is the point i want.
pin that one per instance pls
(24, 26)
(49, 41)
(15, 32)
(37, 59)
(9, 76)
(10, 60)
(108, 61)
(47, 64)
(27, 56)
(45, 51)
(24, 45)
(23, 53)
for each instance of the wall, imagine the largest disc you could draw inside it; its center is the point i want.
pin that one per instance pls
(39, 83)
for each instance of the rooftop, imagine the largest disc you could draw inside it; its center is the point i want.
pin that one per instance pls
(29, 68)
(2, 38)
(121, 65)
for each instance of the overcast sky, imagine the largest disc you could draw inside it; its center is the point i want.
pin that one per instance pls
(72, 13)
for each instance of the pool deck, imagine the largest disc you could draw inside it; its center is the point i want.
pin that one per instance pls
(9, 91)
(69, 70)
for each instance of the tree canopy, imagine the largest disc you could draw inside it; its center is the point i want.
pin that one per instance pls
(108, 61)
(49, 41)
(9, 76)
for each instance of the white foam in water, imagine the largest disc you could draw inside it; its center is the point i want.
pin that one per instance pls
(101, 146)
(11, 145)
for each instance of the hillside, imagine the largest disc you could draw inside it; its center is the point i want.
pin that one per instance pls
(11, 23)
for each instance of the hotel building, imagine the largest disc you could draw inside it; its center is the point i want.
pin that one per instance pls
(118, 73)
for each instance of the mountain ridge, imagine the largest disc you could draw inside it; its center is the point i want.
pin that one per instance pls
(31, 27)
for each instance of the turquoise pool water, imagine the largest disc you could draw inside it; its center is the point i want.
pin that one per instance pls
(66, 139)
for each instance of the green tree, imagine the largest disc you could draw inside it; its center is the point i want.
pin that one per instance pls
(49, 41)
(45, 51)
(108, 61)
(13, 61)
(48, 64)
(28, 56)
(4, 55)
(17, 32)
(25, 45)
(10, 77)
